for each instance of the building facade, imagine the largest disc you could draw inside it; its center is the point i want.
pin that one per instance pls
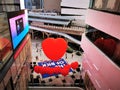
(14, 63)
(16, 73)
(101, 63)
(12, 5)
(52, 6)
(100, 42)
(76, 9)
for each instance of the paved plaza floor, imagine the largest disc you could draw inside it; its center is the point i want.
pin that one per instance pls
(60, 80)
(42, 56)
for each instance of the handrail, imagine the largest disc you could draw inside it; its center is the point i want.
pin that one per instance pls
(54, 88)
(72, 28)
(58, 33)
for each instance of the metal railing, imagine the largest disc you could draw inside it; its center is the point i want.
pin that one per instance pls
(54, 88)
(68, 30)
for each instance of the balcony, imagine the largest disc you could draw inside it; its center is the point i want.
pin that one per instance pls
(68, 30)
(106, 22)
(101, 66)
(110, 6)
(54, 88)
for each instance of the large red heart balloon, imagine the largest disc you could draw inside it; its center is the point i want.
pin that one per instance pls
(54, 49)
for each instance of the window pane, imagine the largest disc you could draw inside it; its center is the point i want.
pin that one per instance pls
(5, 40)
(106, 43)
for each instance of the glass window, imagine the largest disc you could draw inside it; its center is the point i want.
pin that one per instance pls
(88, 83)
(7, 78)
(9, 5)
(111, 6)
(107, 44)
(17, 86)
(2, 86)
(13, 71)
(5, 40)
(17, 61)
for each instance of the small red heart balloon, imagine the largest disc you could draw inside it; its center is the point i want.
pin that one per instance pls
(54, 49)
(67, 66)
(74, 65)
(64, 71)
(41, 70)
(36, 69)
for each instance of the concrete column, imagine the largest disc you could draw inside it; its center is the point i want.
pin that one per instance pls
(22, 4)
(32, 34)
(43, 34)
(48, 34)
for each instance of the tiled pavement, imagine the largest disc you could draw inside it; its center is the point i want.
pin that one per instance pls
(58, 80)
(43, 57)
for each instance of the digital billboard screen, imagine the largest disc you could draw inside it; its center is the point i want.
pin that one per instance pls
(18, 25)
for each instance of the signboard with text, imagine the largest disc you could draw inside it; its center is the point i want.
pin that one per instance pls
(61, 63)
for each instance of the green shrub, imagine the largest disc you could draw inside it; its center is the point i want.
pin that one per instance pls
(78, 53)
(69, 50)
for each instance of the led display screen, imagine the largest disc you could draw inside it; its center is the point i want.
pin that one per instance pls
(18, 24)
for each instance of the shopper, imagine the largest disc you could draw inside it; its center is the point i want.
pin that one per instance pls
(72, 55)
(66, 56)
(37, 58)
(79, 82)
(37, 44)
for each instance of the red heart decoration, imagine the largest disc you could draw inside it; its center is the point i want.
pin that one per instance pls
(109, 46)
(36, 69)
(49, 70)
(64, 71)
(106, 45)
(41, 70)
(74, 65)
(54, 49)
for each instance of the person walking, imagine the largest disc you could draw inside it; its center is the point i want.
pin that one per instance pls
(79, 82)
(37, 58)
(72, 55)
(66, 56)
(40, 51)
(37, 44)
